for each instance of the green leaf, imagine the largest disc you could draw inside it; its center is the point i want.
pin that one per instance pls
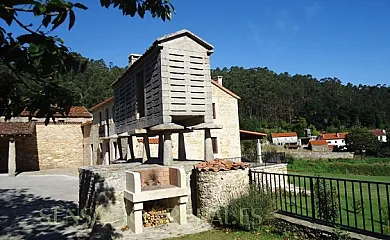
(59, 20)
(72, 19)
(105, 3)
(81, 6)
(36, 50)
(46, 20)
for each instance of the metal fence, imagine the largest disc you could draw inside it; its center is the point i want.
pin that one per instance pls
(359, 206)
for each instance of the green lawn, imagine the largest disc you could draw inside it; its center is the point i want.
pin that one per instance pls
(223, 235)
(351, 194)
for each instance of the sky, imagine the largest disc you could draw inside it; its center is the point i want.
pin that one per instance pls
(349, 40)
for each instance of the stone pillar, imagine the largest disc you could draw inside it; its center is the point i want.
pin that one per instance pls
(168, 156)
(161, 147)
(106, 151)
(259, 158)
(11, 158)
(146, 150)
(130, 148)
(134, 216)
(182, 147)
(178, 209)
(208, 146)
(119, 146)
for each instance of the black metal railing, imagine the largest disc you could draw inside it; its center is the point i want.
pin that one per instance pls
(354, 205)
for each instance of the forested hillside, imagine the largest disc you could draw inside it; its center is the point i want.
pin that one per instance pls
(271, 101)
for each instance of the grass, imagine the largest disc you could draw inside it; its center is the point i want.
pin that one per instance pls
(352, 194)
(226, 235)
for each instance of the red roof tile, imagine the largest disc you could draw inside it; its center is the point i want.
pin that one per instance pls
(16, 129)
(74, 112)
(328, 136)
(378, 132)
(220, 165)
(108, 100)
(288, 134)
(318, 142)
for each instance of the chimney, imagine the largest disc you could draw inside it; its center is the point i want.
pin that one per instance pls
(133, 57)
(337, 135)
(219, 80)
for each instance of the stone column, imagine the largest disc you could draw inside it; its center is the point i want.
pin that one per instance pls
(168, 156)
(182, 147)
(134, 216)
(119, 146)
(11, 158)
(146, 150)
(106, 151)
(161, 147)
(259, 158)
(130, 148)
(208, 146)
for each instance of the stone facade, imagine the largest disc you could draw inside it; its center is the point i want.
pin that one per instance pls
(321, 155)
(60, 145)
(215, 189)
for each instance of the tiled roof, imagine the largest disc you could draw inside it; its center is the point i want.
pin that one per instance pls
(224, 89)
(74, 112)
(328, 136)
(220, 165)
(288, 134)
(16, 129)
(378, 132)
(108, 100)
(151, 140)
(318, 142)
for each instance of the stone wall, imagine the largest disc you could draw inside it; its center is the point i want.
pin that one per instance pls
(101, 189)
(321, 155)
(215, 189)
(60, 145)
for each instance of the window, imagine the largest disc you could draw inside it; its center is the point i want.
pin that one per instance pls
(100, 118)
(101, 150)
(215, 144)
(214, 115)
(107, 116)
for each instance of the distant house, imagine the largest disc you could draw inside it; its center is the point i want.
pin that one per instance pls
(318, 146)
(380, 134)
(289, 138)
(334, 139)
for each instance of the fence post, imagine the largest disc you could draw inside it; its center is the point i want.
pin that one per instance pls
(250, 176)
(313, 208)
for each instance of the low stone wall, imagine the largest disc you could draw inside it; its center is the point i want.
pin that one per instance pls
(101, 189)
(321, 155)
(215, 189)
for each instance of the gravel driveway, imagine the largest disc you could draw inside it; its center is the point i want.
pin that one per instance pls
(38, 207)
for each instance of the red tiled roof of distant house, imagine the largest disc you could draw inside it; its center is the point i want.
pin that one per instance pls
(328, 136)
(151, 140)
(378, 132)
(288, 134)
(74, 112)
(105, 101)
(318, 142)
(224, 89)
(220, 165)
(16, 129)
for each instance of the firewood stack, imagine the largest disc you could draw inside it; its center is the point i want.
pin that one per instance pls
(155, 217)
(220, 165)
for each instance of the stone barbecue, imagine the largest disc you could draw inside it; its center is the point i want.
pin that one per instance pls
(161, 183)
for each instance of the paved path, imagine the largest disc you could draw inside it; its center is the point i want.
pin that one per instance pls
(35, 207)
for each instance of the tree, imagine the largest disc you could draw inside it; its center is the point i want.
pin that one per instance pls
(31, 64)
(361, 140)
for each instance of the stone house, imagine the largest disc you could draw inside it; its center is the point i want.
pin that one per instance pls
(284, 138)
(334, 139)
(30, 145)
(166, 106)
(380, 134)
(318, 146)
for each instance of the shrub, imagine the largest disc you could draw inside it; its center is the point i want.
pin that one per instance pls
(326, 207)
(249, 211)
